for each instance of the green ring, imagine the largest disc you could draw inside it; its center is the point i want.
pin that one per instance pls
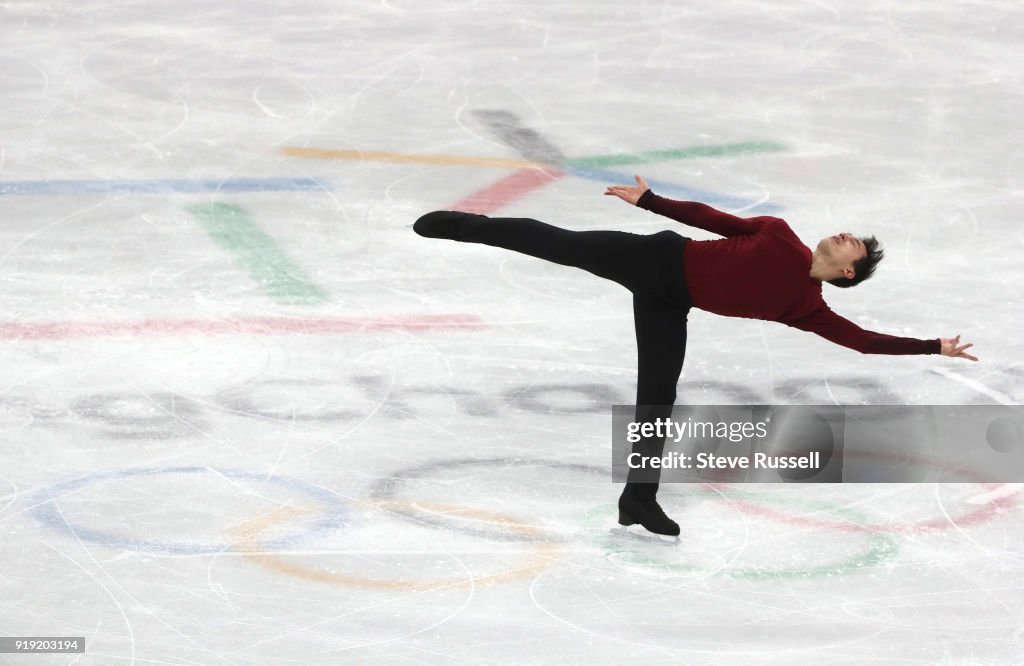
(882, 547)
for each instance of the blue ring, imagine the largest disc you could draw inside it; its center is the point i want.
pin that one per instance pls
(45, 510)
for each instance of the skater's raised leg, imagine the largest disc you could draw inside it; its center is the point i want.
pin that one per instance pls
(637, 262)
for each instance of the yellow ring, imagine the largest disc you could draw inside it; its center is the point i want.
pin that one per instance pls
(406, 158)
(247, 541)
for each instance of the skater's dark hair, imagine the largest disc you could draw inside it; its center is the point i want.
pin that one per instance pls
(863, 268)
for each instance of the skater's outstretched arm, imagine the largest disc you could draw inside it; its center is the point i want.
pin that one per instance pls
(692, 213)
(834, 328)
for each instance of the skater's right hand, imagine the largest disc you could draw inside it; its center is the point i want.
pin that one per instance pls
(629, 193)
(952, 347)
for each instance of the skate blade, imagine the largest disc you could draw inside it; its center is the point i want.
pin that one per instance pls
(640, 534)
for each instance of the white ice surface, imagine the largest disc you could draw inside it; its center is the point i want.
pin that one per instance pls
(265, 538)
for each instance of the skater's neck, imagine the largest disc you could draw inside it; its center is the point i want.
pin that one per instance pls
(823, 270)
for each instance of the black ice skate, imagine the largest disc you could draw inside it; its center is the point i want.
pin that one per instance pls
(443, 224)
(647, 513)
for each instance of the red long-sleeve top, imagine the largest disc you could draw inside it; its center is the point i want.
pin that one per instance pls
(761, 270)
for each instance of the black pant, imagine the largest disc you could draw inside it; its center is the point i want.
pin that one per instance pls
(650, 266)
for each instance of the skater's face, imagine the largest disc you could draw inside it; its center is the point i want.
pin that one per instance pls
(841, 251)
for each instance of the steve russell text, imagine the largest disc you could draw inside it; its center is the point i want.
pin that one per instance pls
(677, 460)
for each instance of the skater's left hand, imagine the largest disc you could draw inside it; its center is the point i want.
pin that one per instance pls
(629, 193)
(952, 347)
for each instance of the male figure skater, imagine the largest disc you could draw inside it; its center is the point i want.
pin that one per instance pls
(759, 270)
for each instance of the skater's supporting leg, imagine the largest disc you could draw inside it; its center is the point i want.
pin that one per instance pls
(661, 349)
